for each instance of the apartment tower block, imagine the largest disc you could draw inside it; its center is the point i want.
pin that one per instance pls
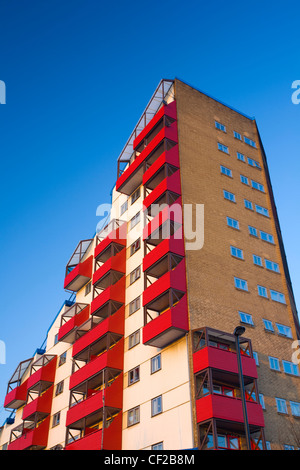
(143, 354)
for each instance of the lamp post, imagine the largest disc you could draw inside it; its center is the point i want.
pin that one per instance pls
(239, 330)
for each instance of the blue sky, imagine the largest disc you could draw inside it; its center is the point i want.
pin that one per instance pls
(78, 75)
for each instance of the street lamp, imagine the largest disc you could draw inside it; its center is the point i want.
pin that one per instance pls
(239, 330)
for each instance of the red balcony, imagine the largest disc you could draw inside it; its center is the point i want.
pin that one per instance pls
(16, 397)
(116, 263)
(164, 224)
(112, 438)
(174, 245)
(175, 279)
(170, 184)
(78, 313)
(112, 358)
(45, 373)
(229, 409)
(168, 326)
(223, 360)
(79, 275)
(113, 234)
(131, 178)
(114, 324)
(115, 292)
(41, 405)
(36, 438)
(170, 157)
(113, 399)
(165, 110)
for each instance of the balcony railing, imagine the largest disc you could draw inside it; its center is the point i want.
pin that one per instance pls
(75, 316)
(42, 373)
(79, 275)
(40, 405)
(30, 436)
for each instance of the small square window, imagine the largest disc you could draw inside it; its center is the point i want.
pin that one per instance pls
(240, 284)
(244, 179)
(284, 330)
(124, 207)
(134, 339)
(223, 148)
(158, 446)
(290, 368)
(135, 275)
(155, 363)
(135, 195)
(135, 220)
(232, 223)
(295, 408)
(88, 288)
(237, 135)
(248, 204)
(229, 196)
(241, 157)
(272, 266)
(133, 416)
(135, 246)
(134, 305)
(56, 419)
(236, 252)
(261, 210)
(62, 359)
(220, 126)
(257, 260)
(249, 142)
(226, 171)
(274, 363)
(246, 318)
(59, 388)
(277, 296)
(267, 237)
(134, 375)
(281, 405)
(262, 291)
(268, 325)
(252, 231)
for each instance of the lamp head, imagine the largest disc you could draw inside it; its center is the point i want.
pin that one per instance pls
(239, 330)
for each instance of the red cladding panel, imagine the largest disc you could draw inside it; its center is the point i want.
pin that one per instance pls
(41, 404)
(169, 156)
(76, 279)
(75, 321)
(116, 263)
(174, 318)
(169, 213)
(175, 279)
(169, 245)
(115, 292)
(33, 437)
(118, 236)
(229, 409)
(223, 360)
(168, 110)
(45, 373)
(16, 397)
(112, 358)
(171, 183)
(114, 324)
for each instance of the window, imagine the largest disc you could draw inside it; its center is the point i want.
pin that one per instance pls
(158, 446)
(236, 252)
(262, 210)
(155, 363)
(274, 363)
(62, 358)
(262, 401)
(272, 266)
(268, 325)
(249, 141)
(135, 246)
(135, 220)
(288, 447)
(124, 207)
(255, 355)
(290, 368)
(262, 291)
(284, 330)
(134, 339)
(229, 196)
(56, 419)
(248, 204)
(233, 223)
(246, 318)
(223, 148)
(267, 237)
(135, 274)
(88, 288)
(226, 171)
(133, 416)
(220, 126)
(237, 135)
(295, 407)
(134, 305)
(56, 339)
(135, 195)
(156, 406)
(252, 231)
(244, 179)
(253, 163)
(268, 445)
(277, 296)
(134, 375)
(257, 260)
(240, 284)
(281, 405)
(241, 157)
(59, 388)
(258, 186)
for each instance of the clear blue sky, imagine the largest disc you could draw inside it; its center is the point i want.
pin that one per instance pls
(79, 74)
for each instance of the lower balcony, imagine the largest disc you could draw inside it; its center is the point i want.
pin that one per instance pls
(16, 397)
(109, 438)
(40, 405)
(168, 326)
(25, 438)
(79, 275)
(73, 318)
(111, 358)
(42, 371)
(115, 293)
(230, 411)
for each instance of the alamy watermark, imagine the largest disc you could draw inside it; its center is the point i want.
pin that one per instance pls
(2, 352)
(2, 92)
(159, 221)
(296, 93)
